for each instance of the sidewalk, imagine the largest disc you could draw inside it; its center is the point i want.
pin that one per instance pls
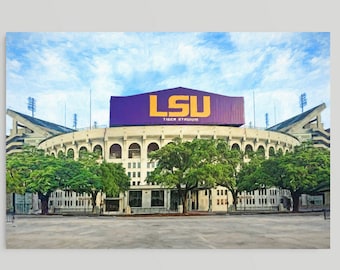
(170, 232)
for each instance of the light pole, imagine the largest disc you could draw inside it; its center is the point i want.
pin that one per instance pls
(31, 105)
(303, 101)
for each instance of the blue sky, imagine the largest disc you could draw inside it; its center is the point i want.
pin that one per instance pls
(60, 69)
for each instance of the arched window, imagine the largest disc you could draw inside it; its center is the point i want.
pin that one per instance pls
(60, 154)
(271, 151)
(98, 150)
(261, 151)
(248, 150)
(70, 153)
(134, 150)
(235, 146)
(115, 151)
(82, 151)
(152, 147)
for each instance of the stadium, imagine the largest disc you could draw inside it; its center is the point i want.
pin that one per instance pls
(143, 123)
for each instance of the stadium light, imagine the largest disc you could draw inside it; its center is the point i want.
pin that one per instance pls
(31, 105)
(303, 101)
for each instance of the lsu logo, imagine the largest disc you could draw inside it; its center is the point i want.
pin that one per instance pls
(180, 106)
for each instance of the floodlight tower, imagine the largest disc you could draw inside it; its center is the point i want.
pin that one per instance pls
(303, 101)
(31, 105)
(75, 121)
(267, 120)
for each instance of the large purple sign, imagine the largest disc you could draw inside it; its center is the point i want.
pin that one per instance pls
(177, 106)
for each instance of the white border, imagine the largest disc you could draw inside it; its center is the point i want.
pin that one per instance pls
(175, 15)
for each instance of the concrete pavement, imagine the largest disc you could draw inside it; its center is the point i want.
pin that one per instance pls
(178, 232)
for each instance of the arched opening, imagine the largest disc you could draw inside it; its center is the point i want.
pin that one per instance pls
(248, 150)
(98, 150)
(70, 153)
(152, 147)
(134, 150)
(115, 151)
(280, 151)
(261, 151)
(235, 146)
(60, 154)
(271, 151)
(82, 151)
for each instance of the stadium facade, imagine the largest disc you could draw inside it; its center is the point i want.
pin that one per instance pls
(140, 124)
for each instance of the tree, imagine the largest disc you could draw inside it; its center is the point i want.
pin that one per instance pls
(184, 166)
(34, 172)
(53, 174)
(114, 178)
(227, 167)
(17, 173)
(98, 176)
(300, 171)
(251, 175)
(88, 179)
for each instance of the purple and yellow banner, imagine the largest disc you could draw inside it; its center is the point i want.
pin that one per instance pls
(176, 106)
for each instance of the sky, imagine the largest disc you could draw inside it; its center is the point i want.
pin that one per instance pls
(77, 73)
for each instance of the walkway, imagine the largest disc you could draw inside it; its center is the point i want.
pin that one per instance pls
(177, 232)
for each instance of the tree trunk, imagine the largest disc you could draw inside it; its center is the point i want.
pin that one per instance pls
(234, 193)
(185, 202)
(13, 203)
(210, 203)
(182, 198)
(296, 201)
(44, 202)
(94, 199)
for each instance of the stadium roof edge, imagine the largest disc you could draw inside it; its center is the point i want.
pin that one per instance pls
(41, 123)
(297, 118)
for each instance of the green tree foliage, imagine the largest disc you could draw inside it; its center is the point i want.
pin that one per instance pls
(114, 178)
(184, 166)
(207, 163)
(17, 172)
(99, 176)
(34, 172)
(300, 171)
(251, 175)
(226, 167)
(88, 179)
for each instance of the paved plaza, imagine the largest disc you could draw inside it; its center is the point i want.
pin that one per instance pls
(172, 232)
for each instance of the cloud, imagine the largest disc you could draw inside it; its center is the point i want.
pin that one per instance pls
(61, 68)
(250, 41)
(13, 66)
